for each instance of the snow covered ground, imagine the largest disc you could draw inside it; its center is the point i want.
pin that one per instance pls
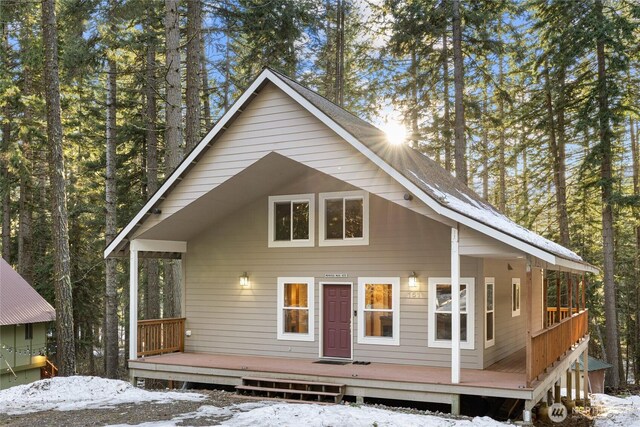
(74, 393)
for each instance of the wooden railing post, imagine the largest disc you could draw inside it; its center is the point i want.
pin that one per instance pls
(558, 295)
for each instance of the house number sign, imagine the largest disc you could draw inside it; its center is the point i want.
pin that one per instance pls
(335, 275)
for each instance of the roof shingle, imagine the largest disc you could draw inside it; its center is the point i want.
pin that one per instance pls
(19, 302)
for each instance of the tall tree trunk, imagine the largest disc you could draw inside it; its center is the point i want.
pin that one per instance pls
(339, 67)
(173, 136)
(194, 28)
(152, 303)
(610, 305)
(413, 109)
(206, 96)
(560, 168)
(173, 130)
(5, 186)
(557, 160)
(635, 151)
(446, 117)
(111, 290)
(4, 156)
(485, 144)
(502, 167)
(25, 216)
(62, 277)
(458, 82)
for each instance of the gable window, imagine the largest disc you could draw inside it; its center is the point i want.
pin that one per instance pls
(344, 218)
(489, 312)
(291, 220)
(440, 315)
(295, 308)
(379, 310)
(515, 297)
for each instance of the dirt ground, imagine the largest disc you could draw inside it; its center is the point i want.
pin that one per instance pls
(126, 413)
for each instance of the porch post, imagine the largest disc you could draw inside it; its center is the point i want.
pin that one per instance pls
(455, 307)
(529, 323)
(587, 380)
(133, 303)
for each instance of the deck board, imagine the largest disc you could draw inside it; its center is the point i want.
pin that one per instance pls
(501, 377)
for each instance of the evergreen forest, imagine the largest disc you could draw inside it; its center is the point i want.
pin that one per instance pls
(534, 104)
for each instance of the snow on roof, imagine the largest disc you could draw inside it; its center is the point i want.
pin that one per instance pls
(74, 393)
(19, 302)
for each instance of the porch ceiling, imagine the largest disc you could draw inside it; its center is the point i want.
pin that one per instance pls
(263, 177)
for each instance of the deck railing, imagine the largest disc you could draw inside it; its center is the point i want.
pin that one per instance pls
(159, 336)
(549, 345)
(552, 314)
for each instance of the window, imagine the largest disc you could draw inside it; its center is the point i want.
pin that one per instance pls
(440, 305)
(291, 220)
(28, 331)
(379, 310)
(515, 297)
(344, 218)
(295, 308)
(489, 312)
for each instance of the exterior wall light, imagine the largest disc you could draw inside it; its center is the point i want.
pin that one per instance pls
(244, 280)
(413, 280)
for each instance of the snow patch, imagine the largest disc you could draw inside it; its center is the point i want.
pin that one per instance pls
(616, 411)
(73, 393)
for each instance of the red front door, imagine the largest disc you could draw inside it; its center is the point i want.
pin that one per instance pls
(336, 321)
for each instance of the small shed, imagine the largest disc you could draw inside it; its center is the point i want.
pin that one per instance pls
(597, 369)
(24, 315)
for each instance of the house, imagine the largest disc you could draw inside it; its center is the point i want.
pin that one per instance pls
(24, 317)
(306, 237)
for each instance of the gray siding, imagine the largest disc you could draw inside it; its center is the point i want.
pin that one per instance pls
(510, 331)
(227, 319)
(273, 122)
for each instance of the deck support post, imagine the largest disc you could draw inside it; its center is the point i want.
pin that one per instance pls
(577, 364)
(557, 396)
(455, 404)
(569, 384)
(585, 366)
(133, 304)
(455, 307)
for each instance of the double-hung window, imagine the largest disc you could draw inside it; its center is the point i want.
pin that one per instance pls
(515, 297)
(379, 310)
(440, 312)
(295, 308)
(489, 312)
(344, 218)
(291, 220)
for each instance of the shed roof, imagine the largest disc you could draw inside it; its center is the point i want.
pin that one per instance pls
(594, 364)
(432, 184)
(19, 302)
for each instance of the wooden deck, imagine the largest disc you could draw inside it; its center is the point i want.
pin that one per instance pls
(380, 380)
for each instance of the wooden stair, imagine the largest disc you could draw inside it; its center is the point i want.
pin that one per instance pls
(291, 390)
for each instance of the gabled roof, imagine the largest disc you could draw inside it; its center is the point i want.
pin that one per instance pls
(19, 302)
(423, 177)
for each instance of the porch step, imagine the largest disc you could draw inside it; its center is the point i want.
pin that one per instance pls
(285, 389)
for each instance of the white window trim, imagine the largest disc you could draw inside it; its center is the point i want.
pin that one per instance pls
(395, 305)
(489, 281)
(516, 281)
(309, 336)
(471, 284)
(312, 227)
(364, 240)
